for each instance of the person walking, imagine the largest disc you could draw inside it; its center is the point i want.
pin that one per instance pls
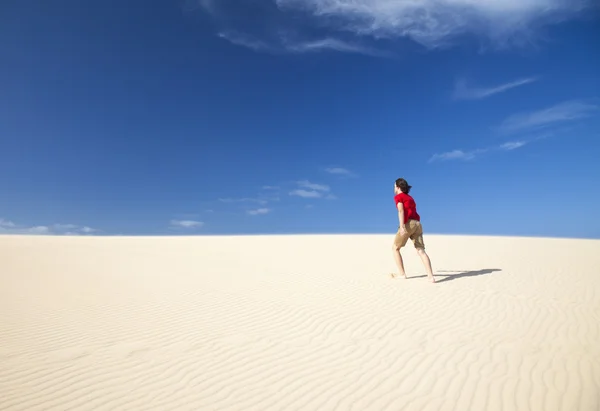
(409, 227)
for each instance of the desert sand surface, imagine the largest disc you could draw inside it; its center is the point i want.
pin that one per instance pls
(298, 323)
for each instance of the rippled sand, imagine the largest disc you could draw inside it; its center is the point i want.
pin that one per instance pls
(298, 323)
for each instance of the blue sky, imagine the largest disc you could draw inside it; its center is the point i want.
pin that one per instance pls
(296, 116)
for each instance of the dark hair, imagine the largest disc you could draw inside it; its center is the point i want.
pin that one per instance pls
(403, 185)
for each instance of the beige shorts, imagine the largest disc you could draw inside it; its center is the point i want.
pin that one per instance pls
(414, 231)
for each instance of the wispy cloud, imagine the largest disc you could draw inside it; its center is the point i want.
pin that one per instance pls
(267, 194)
(259, 211)
(355, 26)
(435, 23)
(529, 124)
(340, 171)
(334, 44)
(463, 92)
(284, 45)
(311, 190)
(456, 155)
(73, 229)
(460, 155)
(513, 145)
(6, 223)
(313, 186)
(185, 224)
(559, 113)
(306, 193)
(245, 40)
(8, 227)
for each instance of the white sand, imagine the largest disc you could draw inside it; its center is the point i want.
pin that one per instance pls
(298, 323)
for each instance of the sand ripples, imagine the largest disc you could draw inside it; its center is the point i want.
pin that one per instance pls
(176, 325)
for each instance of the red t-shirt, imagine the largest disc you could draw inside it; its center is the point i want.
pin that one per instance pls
(410, 207)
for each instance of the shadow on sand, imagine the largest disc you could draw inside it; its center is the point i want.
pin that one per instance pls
(458, 274)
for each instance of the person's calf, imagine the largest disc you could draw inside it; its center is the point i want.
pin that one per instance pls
(427, 263)
(399, 262)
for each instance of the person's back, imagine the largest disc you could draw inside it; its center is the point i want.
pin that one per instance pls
(410, 206)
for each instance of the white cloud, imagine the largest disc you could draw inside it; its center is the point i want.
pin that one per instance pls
(312, 186)
(435, 23)
(6, 224)
(542, 119)
(245, 40)
(72, 229)
(513, 145)
(268, 194)
(470, 155)
(334, 45)
(285, 45)
(311, 190)
(463, 92)
(187, 224)
(306, 193)
(260, 211)
(559, 113)
(8, 227)
(456, 155)
(340, 171)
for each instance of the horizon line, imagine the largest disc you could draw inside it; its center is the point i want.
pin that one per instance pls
(391, 233)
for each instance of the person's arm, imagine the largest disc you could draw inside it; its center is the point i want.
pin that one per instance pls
(401, 217)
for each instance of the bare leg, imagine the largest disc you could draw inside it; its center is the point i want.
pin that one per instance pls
(427, 263)
(399, 262)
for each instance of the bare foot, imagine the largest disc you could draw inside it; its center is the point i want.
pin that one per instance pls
(431, 278)
(394, 275)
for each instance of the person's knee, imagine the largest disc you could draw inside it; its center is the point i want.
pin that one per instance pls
(396, 247)
(421, 251)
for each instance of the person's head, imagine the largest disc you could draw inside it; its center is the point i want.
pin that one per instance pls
(402, 186)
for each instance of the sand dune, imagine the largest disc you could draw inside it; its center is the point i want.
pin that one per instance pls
(298, 323)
